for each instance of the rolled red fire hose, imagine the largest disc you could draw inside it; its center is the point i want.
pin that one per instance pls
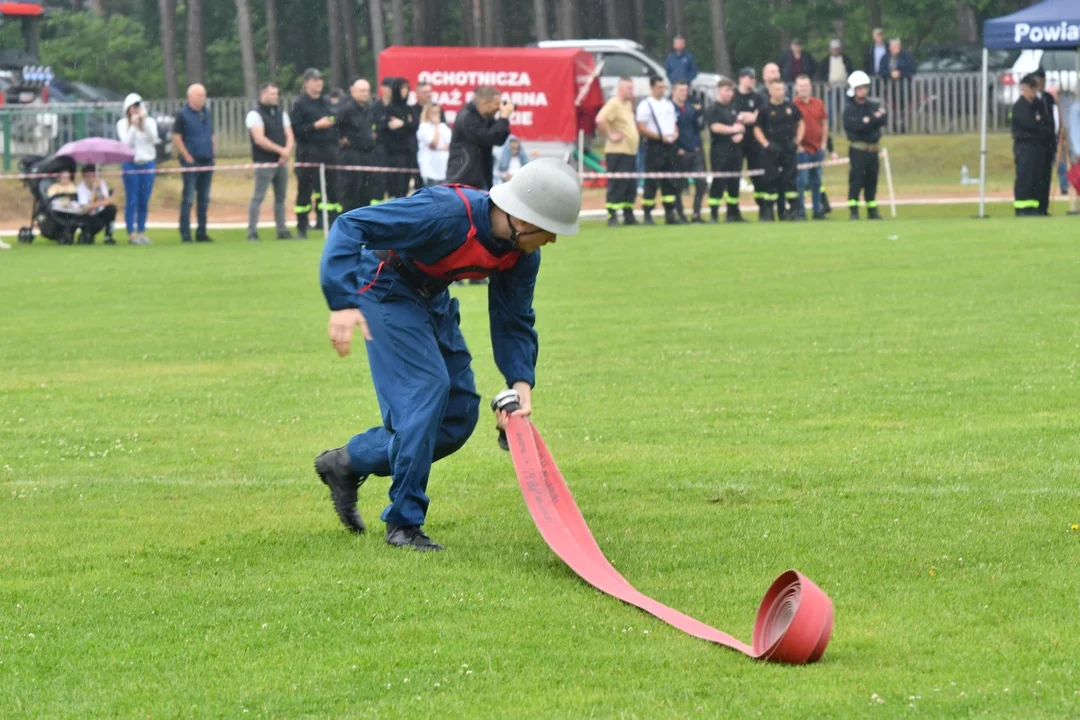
(795, 619)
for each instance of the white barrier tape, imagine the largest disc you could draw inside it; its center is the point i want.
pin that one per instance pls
(221, 168)
(414, 171)
(361, 168)
(679, 175)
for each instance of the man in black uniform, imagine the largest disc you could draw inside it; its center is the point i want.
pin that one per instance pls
(1050, 148)
(316, 142)
(379, 109)
(779, 131)
(748, 103)
(1030, 138)
(357, 145)
(727, 134)
(396, 133)
(863, 121)
(690, 156)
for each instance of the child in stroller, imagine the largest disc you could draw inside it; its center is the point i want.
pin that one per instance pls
(57, 211)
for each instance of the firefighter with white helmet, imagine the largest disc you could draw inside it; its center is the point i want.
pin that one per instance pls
(863, 120)
(385, 270)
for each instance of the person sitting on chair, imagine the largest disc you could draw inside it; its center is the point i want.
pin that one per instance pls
(96, 204)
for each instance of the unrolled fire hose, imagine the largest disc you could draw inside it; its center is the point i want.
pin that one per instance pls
(795, 618)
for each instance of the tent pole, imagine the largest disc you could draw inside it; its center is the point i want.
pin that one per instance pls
(982, 132)
(1076, 98)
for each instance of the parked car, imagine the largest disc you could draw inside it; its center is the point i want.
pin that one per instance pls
(1060, 67)
(963, 59)
(628, 58)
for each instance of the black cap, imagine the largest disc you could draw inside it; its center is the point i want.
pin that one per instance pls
(1040, 72)
(388, 81)
(312, 74)
(748, 72)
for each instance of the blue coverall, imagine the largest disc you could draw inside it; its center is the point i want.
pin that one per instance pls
(418, 358)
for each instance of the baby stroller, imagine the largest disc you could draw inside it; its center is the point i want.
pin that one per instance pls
(53, 224)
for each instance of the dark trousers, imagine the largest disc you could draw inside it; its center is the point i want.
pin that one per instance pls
(1046, 177)
(1027, 190)
(397, 183)
(863, 177)
(621, 193)
(692, 161)
(309, 188)
(424, 382)
(753, 153)
(659, 157)
(780, 173)
(91, 225)
(197, 190)
(355, 185)
(725, 190)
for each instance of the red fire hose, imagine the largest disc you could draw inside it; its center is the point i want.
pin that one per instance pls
(795, 619)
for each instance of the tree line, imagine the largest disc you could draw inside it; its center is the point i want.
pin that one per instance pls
(158, 46)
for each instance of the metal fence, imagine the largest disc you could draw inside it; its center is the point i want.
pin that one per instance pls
(926, 104)
(930, 104)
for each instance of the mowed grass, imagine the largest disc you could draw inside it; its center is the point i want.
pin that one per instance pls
(891, 408)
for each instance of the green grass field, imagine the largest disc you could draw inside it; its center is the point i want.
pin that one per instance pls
(891, 408)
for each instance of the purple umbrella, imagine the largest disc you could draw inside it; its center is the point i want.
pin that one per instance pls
(100, 151)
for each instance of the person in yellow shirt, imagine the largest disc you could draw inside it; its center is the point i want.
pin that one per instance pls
(616, 121)
(63, 194)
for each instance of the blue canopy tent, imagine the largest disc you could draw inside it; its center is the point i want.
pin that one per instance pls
(1049, 25)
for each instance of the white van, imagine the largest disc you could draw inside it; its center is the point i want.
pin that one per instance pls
(1060, 67)
(626, 57)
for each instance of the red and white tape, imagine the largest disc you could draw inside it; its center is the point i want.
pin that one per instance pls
(414, 171)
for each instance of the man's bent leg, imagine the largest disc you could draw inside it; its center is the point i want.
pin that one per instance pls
(463, 405)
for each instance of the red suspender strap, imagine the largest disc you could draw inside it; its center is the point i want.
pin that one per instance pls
(368, 286)
(468, 210)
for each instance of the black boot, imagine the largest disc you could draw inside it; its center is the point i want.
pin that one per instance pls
(648, 217)
(826, 208)
(411, 536)
(766, 212)
(872, 214)
(301, 226)
(337, 473)
(680, 215)
(854, 212)
(670, 218)
(612, 220)
(628, 217)
(714, 213)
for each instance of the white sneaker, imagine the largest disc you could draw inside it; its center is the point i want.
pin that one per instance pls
(4, 245)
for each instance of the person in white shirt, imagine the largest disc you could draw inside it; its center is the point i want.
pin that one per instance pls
(433, 146)
(272, 143)
(96, 203)
(140, 132)
(656, 121)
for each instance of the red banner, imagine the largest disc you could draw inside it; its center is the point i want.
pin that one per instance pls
(543, 84)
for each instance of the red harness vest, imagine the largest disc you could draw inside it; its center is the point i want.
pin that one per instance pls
(472, 260)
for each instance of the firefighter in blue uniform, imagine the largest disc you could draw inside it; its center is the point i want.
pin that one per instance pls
(385, 270)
